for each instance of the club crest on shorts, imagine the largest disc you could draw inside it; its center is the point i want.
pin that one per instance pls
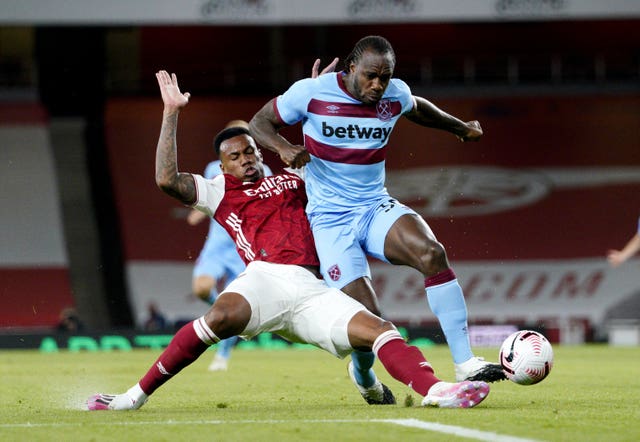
(383, 110)
(334, 272)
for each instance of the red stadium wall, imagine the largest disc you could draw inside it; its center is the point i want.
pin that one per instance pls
(33, 297)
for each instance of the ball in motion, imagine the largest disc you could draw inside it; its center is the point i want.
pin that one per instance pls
(526, 357)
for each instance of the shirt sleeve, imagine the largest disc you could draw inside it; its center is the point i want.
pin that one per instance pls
(209, 193)
(405, 96)
(291, 106)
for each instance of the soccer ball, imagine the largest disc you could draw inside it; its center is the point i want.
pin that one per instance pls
(526, 357)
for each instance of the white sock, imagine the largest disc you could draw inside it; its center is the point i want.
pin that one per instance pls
(133, 399)
(137, 394)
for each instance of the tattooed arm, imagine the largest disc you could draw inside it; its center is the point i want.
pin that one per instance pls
(178, 185)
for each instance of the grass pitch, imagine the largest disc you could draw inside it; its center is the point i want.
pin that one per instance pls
(592, 394)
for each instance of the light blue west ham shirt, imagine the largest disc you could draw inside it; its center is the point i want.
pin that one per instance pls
(346, 139)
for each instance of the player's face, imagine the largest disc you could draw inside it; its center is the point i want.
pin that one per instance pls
(369, 78)
(240, 157)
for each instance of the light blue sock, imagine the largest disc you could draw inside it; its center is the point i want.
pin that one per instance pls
(447, 303)
(224, 347)
(362, 371)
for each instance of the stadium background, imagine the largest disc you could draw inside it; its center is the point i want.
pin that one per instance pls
(527, 214)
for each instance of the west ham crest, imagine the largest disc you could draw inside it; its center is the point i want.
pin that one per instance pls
(383, 110)
(334, 272)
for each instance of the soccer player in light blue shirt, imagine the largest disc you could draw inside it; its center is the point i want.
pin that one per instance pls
(346, 119)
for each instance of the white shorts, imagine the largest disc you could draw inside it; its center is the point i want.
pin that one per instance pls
(290, 301)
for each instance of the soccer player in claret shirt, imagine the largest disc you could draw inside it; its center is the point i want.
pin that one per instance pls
(347, 118)
(281, 290)
(218, 261)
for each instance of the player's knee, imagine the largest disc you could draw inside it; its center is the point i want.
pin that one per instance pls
(365, 328)
(220, 321)
(434, 258)
(228, 316)
(385, 326)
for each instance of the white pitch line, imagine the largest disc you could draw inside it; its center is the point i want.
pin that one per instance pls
(456, 431)
(413, 423)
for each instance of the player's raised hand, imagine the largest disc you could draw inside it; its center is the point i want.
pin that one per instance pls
(171, 95)
(615, 258)
(474, 131)
(329, 68)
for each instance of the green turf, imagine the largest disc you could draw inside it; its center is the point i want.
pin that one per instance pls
(592, 394)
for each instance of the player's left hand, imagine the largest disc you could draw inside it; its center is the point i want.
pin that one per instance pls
(474, 131)
(331, 67)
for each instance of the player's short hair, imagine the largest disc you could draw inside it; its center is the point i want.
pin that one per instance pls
(375, 43)
(227, 133)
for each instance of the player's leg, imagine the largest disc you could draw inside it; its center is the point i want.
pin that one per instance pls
(204, 287)
(223, 354)
(408, 365)
(228, 317)
(233, 266)
(344, 265)
(218, 261)
(339, 324)
(410, 241)
(208, 269)
(360, 369)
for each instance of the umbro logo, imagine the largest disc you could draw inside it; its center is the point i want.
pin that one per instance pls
(162, 370)
(333, 109)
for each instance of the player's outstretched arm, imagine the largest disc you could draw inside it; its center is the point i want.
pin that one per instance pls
(265, 124)
(427, 114)
(617, 257)
(178, 185)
